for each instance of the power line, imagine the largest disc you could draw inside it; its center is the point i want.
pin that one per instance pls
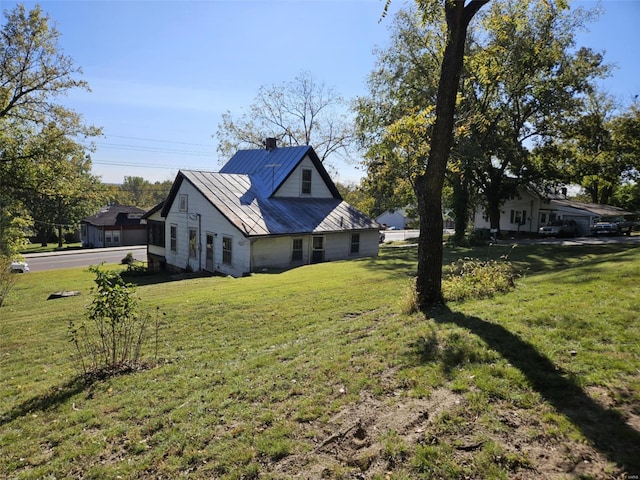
(161, 141)
(142, 148)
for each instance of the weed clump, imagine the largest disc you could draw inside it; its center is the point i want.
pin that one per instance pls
(470, 278)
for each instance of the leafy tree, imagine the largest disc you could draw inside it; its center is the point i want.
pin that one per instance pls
(403, 83)
(34, 73)
(524, 80)
(62, 191)
(300, 112)
(430, 184)
(142, 193)
(413, 87)
(597, 149)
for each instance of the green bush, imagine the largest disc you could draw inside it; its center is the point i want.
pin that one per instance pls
(128, 259)
(472, 278)
(110, 341)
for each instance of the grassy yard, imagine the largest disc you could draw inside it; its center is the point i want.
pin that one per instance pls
(316, 373)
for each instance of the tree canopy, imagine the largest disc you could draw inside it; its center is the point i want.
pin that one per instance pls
(298, 112)
(42, 143)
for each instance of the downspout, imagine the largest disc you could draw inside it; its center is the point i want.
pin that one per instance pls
(199, 242)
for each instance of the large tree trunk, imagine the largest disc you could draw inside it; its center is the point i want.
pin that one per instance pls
(429, 185)
(460, 206)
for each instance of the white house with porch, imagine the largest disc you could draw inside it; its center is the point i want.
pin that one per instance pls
(529, 210)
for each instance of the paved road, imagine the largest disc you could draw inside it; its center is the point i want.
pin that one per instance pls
(39, 262)
(399, 235)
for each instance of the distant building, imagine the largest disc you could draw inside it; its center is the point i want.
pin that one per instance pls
(528, 210)
(397, 218)
(118, 225)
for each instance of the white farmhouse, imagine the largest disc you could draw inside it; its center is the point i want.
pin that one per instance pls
(529, 210)
(272, 208)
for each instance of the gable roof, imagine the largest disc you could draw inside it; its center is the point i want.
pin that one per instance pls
(593, 208)
(114, 215)
(274, 166)
(238, 198)
(561, 200)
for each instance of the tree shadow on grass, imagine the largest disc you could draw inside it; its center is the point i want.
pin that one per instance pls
(606, 429)
(53, 397)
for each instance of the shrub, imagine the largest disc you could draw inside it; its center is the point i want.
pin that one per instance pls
(109, 342)
(128, 259)
(473, 278)
(7, 278)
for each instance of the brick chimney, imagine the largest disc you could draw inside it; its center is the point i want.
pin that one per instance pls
(270, 143)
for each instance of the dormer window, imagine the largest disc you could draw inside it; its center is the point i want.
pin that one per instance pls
(306, 181)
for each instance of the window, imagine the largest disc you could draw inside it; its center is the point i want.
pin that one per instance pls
(174, 238)
(306, 181)
(183, 202)
(296, 251)
(355, 243)
(227, 250)
(193, 243)
(112, 237)
(317, 255)
(518, 217)
(155, 231)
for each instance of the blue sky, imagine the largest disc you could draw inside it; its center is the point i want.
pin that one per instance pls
(163, 72)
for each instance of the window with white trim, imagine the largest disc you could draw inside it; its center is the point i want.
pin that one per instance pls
(355, 243)
(306, 181)
(227, 250)
(296, 249)
(317, 253)
(173, 232)
(183, 202)
(518, 217)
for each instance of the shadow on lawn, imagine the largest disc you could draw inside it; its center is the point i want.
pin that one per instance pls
(606, 429)
(43, 402)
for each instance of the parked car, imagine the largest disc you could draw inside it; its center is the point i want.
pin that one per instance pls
(559, 228)
(19, 267)
(612, 226)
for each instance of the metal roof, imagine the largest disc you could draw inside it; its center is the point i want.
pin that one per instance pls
(274, 166)
(594, 208)
(241, 199)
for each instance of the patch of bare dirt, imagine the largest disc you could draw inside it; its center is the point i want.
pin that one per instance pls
(354, 444)
(353, 440)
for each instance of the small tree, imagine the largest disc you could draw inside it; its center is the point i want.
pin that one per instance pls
(110, 342)
(7, 278)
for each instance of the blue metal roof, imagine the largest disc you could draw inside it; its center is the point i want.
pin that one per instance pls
(272, 167)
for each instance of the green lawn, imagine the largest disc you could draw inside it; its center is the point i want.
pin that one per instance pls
(316, 372)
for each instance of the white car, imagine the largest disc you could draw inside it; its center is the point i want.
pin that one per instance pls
(19, 267)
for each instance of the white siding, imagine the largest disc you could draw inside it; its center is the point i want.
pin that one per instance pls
(528, 204)
(276, 252)
(203, 217)
(292, 187)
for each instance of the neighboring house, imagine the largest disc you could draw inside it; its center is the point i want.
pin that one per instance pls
(270, 208)
(397, 218)
(118, 225)
(530, 210)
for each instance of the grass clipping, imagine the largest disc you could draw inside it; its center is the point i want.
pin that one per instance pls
(468, 279)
